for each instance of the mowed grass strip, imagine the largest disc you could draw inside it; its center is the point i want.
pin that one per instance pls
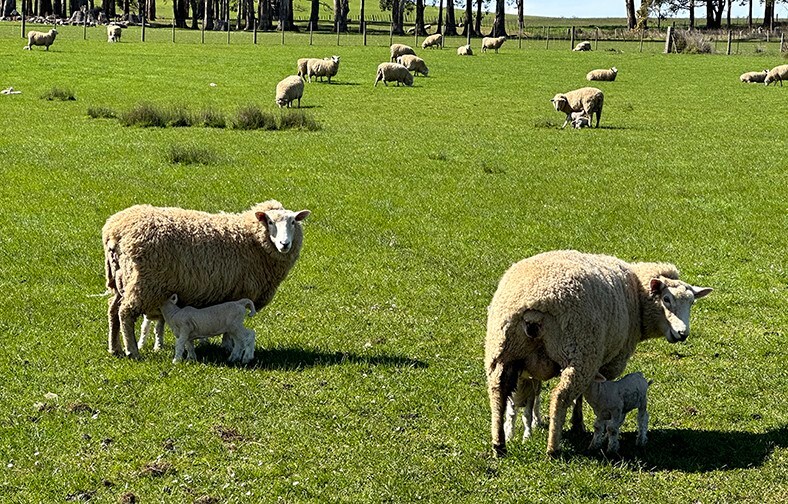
(367, 383)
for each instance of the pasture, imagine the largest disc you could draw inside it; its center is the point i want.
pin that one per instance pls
(367, 383)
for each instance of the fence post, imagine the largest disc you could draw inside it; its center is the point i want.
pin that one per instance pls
(730, 39)
(520, 38)
(416, 34)
(391, 32)
(364, 25)
(85, 26)
(596, 41)
(23, 20)
(337, 31)
(641, 40)
(782, 42)
(254, 32)
(173, 29)
(204, 21)
(311, 29)
(669, 40)
(227, 21)
(572, 37)
(144, 13)
(547, 44)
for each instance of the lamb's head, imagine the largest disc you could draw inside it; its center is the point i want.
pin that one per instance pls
(335, 59)
(561, 104)
(675, 298)
(283, 226)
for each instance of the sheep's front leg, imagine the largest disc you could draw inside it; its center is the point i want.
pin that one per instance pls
(600, 428)
(180, 346)
(501, 381)
(114, 325)
(568, 117)
(613, 431)
(642, 427)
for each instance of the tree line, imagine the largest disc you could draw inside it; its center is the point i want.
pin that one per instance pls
(714, 11)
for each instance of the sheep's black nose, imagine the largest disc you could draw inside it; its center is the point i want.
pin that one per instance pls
(683, 335)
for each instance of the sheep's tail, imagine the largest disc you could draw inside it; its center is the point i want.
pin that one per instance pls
(249, 304)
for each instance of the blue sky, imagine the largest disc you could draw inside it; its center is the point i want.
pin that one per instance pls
(615, 8)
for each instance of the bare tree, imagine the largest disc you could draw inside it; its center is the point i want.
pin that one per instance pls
(440, 16)
(477, 26)
(314, 16)
(420, 17)
(467, 21)
(499, 24)
(631, 14)
(450, 30)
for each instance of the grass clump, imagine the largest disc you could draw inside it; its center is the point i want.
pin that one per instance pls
(61, 94)
(179, 117)
(210, 118)
(252, 117)
(190, 154)
(145, 115)
(298, 119)
(692, 42)
(101, 113)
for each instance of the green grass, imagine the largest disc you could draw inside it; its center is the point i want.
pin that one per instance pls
(367, 384)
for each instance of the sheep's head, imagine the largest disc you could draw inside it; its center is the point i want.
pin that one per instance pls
(282, 225)
(335, 59)
(560, 103)
(675, 298)
(281, 102)
(614, 70)
(409, 79)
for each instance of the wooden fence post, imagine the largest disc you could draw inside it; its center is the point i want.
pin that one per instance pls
(669, 40)
(572, 37)
(337, 31)
(254, 32)
(520, 38)
(547, 38)
(204, 21)
(391, 32)
(641, 40)
(23, 20)
(173, 30)
(85, 25)
(144, 15)
(310, 32)
(227, 21)
(730, 39)
(596, 40)
(782, 42)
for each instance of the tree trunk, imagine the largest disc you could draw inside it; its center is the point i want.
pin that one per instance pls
(8, 6)
(631, 21)
(477, 26)
(520, 18)
(340, 15)
(150, 11)
(440, 16)
(499, 25)
(420, 17)
(729, 15)
(768, 14)
(397, 17)
(195, 14)
(208, 15)
(450, 30)
(468, 20)
(314, 16)
(749, 16)
(692, 14)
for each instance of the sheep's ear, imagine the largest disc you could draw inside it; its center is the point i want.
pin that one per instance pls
(599, 378)
(655, 286)
(262, 217)
(303, 214)
(174, 299)
(700, 292)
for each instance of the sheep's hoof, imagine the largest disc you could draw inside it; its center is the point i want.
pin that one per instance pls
(499, 451)
(554, 453)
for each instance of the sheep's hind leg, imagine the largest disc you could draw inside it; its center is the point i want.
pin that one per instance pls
(573, 381)
(578, 427)
(501, 382)
(114, 325)
(128, 319)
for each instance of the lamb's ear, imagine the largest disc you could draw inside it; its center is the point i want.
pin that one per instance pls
(599, 378)
(262, 217)
(303, 214)
(655, 286)
(700, 292)
(174, 299)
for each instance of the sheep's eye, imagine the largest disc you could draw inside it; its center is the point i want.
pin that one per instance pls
(666, 300)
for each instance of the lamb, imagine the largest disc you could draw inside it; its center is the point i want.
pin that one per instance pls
(113, 33)
(191, 323)
(753, 76)
(576, 315)
(435, 40)
(289, 89)
(322, 68)
(158, 333)
(583, 46)
(37, 38)
(465, 50)
(611, 401)
(492, 43)
(151, 252)
(602, 75)
(398, 50)
(580, 120)
(388, 72)
(588, 100)
(526, 398)
(778, 73)
(414, 64)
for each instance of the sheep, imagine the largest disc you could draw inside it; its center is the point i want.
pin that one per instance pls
(388, 72)
(433, 41)
(465, 50)
(37, 38)
(588, 100)
(113, 33)
(578, 316)
(602, 74)
(753, 76)
(398, 50)
(778, 73)
(611, 401)
(583, 46)
(289, 89)
(492, 43)
(580, 120)
(525, 397)
(322, 68)
(301, 65)
(414, 64)
(227, 319)
(151, 252)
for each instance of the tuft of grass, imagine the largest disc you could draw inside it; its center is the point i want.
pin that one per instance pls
(252, 117)
(179, 117)
(210, 118)
(297, 119)
(145, 115)
(99, 112)
(61, 94)
(543, 122)
(692, 42)
(190, 154)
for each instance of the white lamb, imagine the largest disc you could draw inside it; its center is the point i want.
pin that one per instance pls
(398, 50)
(754, 77)
(465, 50)
(526, 398)
(113, 33)
(414, 64)
(189, 324)
(288, 90)
(611, 401)
(580, 120)
(37, 38)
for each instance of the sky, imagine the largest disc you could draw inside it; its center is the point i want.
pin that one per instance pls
(615, 8)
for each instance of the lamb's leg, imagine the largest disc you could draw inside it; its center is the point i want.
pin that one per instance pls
(248, 355)
(598, 116)
(180, 344)
(509, 420)
(578, 427)
(600, 428)
(536, 419)
(642, 427)
(500, 385)
(190, 353)
(114, 325)
(227, 343)
(574, 379)
(528, 416)
(128, 319)
(158, 335)
(613, 431)
(144, 332)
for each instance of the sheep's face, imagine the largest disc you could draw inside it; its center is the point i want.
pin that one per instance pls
(335, 59)
(281, 102)
(281, 225)
(560, 103)
(676, 299)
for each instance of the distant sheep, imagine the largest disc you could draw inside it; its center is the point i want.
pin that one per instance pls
(580, 120)
(393, 72)
(778, 73)
(114, 33)
(602, 75)
(754, 76)
(36, 38)
(494, 43)
(327, 67)
(465, 50)
(611, 401)
(398, 50)
(433, 41)
(583, 46)
(301, 67)
(414, 64)
(288, 90)
(587, 100)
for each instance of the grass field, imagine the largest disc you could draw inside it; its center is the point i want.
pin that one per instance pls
(368, 383)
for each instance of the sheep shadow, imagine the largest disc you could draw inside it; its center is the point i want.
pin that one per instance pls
(335, 83)
(693, 451)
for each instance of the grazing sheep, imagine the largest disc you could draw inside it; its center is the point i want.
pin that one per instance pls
(778, 73)
(753, 76)
(414, 64)
(327, 67)
(301, 65)
(580, 120)
(113, 33)
(583, 46)
(398, 50)
(151, 252)
(588, 100)
(492, 43)
(465, 50)
(37, 38)
(289, 89)
(189, 324)
(578, 315)
(526, 398)
(611, 401)
(388, 72)
(602, 74)
(433, 41)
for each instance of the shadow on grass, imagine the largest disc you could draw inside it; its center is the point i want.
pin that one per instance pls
(335, 83)
(694, 451)
(289, 359)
